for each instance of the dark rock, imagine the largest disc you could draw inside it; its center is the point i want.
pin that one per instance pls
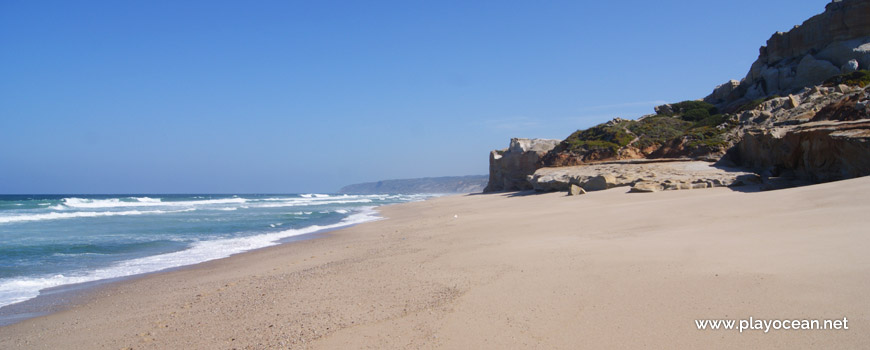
(821, 152)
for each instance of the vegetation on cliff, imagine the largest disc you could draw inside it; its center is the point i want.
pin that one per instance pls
(603, 137)
(766, 121)
(859, 78)
(688, 128)
(657, 130)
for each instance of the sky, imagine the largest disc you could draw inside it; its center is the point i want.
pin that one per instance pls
(307, 96)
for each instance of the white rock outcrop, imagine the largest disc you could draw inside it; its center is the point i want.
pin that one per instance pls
(509, 168)
(652, 175)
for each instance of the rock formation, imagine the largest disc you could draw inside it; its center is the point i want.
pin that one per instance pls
(834, 42)
(801, 113)
(689, 129)
(508, 168)
(645, 176)
(825, 137)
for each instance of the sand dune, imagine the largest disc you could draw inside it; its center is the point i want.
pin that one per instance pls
(603, 270)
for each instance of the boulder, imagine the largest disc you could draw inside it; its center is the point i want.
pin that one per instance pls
(575, 190)
(793, 101)
(771, 78)
(811, 71)
(600, 182)
(849, 67)
(551, 181)
(840, 52)
(646, 187)
(756, 91)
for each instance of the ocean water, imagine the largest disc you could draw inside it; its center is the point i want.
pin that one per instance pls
(49, 241)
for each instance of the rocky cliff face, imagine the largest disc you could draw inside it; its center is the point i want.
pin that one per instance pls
(822, 134)
(843, 20)
(802, 112)
(510, 167)
(834, 42)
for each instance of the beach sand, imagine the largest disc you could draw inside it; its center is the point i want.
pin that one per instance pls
(604, 270)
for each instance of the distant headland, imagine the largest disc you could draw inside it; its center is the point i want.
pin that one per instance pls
(447, 184)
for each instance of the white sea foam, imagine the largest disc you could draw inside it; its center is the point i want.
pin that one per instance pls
(298, 203)
(17, 289)
(79, 203)
(80, 214)
(76, 254)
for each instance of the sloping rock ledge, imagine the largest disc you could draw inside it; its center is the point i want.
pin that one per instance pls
(641, 176)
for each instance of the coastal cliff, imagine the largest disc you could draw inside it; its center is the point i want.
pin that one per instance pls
(820, 135)
(834, 42)
(802, 113)
(509, 168)
(446, 184)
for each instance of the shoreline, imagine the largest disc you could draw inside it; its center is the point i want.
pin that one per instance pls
(63, 297)
(607, 269)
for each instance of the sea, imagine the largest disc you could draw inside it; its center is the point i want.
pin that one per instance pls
(55, 240)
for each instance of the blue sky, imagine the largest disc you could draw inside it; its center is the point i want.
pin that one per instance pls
(292, 96)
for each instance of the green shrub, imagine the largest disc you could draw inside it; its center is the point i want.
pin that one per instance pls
(692, 111)
(694, 121)
(705, 137)
(713, 120)
(658, 130)
(690, 105)
(602, 136)
(860, 78)
(694, 115)
(580, 146)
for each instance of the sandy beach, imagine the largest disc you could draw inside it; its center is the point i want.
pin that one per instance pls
(604, 270)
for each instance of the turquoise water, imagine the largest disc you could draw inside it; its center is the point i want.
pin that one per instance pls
(48, 241)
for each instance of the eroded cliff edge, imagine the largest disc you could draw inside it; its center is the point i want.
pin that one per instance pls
(802, 112)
